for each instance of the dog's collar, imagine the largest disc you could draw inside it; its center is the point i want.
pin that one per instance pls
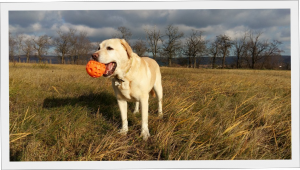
(120, 80)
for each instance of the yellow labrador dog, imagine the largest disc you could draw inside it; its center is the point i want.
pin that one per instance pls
(133, 78)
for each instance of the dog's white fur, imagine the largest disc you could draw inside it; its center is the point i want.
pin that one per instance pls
(134, 78)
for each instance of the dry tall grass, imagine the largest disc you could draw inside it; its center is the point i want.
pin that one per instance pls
(59, 113)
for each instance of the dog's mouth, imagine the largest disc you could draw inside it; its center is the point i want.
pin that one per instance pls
(110, 69)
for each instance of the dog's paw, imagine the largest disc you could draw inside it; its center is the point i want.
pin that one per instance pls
(145, 134)
(123, 131)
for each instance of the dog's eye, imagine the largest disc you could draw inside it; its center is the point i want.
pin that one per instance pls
(98, 48)
(109, 48)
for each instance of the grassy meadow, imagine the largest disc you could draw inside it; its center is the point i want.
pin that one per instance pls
(59, 113)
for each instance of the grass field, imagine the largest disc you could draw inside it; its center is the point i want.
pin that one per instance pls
(59, 113)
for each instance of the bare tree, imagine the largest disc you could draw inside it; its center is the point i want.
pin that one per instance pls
(74, 45)
(240, 49)
(273, 48)
(214, 51)
(256, 47)
(41, 45)
(272, 55)
(12, 46)
(19, 40)
(257, 52)
(124, 33)
(139, 47)
(28, 49)
(84, 46)
(187, 51)
(172, 45)
(63, 43)
(225, 44)
(195, 45)
(153, 38)
(272, 62)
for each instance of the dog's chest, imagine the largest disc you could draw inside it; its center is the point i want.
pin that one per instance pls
(123, 90)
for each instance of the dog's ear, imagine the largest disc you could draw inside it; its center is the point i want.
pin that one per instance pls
(127, 48)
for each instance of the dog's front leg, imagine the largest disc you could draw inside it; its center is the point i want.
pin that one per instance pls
(123, 109)
(136, 109)
(144, 108)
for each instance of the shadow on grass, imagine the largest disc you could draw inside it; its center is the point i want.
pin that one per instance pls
(104, 101)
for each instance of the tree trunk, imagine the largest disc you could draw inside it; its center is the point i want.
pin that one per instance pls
(63, 59)
(223, 61)
(170, 62)
(214, 61)
(190, 62)
(253, 62)
(195, 62)
(40, 59)
(237, 62)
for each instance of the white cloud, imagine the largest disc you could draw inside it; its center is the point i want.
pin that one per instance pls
(36, 27)
(236, 32)
(187, 29)
(91, 32)
(13, 29)
(28, 37)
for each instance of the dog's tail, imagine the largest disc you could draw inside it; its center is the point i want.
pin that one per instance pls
(152, 92)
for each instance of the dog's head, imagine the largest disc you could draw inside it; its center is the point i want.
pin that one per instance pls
(115, 54)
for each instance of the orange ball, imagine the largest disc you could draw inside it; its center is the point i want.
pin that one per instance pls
(95, 69)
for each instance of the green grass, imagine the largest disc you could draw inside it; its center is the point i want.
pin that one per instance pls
(59, 113)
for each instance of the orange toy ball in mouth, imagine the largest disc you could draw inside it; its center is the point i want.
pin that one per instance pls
(95, 69)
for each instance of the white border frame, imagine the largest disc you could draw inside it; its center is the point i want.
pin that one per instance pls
(293, 5)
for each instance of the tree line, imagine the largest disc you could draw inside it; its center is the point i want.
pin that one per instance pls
(71, 45)
(250, 50)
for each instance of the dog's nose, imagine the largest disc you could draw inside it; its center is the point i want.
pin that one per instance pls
(95, 56)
